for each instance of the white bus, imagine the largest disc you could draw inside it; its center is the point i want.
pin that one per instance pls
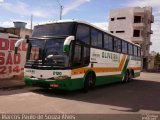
(70, 55)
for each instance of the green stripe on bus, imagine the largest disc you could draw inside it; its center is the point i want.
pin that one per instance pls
(125, 66)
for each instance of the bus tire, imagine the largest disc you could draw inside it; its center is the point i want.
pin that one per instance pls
(126, 77)
(89, 82)
(132, 74)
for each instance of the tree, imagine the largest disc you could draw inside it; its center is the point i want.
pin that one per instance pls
(157, 61)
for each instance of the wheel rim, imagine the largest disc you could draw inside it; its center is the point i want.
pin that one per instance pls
(90, 80)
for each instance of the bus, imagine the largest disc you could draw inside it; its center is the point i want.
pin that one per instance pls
(71, 54)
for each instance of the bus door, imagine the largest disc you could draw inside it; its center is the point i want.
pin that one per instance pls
(81, 55)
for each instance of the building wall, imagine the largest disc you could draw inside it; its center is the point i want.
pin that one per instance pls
(121, 24)
(125, 19)
(25, 32)
(11, 65)
(21, 32)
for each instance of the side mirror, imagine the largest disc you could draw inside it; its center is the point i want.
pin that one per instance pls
(17, 44)
(67, 42)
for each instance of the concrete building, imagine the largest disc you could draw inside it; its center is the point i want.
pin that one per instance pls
(19, 29)
(133, 24)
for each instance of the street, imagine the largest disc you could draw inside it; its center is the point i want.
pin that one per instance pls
(142, 95)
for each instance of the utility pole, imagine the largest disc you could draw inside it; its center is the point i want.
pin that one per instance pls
(61, 10)
(31, 20)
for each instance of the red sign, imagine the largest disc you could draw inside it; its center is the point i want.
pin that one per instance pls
(10, 63)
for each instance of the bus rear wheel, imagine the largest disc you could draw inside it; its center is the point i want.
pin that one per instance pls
(132, 74)
(126, 77)
(89, 82)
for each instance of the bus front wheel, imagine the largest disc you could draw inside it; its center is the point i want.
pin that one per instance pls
(89, 82)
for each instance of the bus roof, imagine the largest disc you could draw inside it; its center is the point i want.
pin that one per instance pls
(87, 23)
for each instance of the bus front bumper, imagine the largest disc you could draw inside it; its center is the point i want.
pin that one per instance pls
(66, 84)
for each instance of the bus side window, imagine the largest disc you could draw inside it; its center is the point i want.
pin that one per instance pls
(96, 38)
(124, 47)
(135, 50)
(86, 56)
(130, 49)
(83, 33)
(139, 52)
(99, 40)
(77, 59)
(108, 42)
(117, 45)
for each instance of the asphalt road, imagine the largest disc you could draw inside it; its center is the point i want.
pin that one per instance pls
(141, 95)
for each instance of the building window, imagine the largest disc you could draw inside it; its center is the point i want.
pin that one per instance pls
(148, 34)
(26, 36)
(83, 33)
(121, 18)
(136, 33)
(137, 19)
(120, 31)
(112, 19)
(111, 31)
(108, 42)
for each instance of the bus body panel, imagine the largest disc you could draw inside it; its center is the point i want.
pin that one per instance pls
(108, 66)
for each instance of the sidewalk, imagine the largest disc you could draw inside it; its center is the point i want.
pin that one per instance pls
(11, 83)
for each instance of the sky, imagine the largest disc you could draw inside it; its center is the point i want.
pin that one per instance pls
(92, 11)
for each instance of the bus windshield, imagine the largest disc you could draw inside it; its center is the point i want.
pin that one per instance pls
(56, 29)
(48, 52)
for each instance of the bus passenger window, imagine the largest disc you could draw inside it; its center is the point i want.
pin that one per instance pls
(96, 38)
(100, 40)
(130, 49)
(108, 42)
(86, 56)
(117, 45)
(83, 33)
(77, 60)
(124, 47)
(139, 52)
(135, 51)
